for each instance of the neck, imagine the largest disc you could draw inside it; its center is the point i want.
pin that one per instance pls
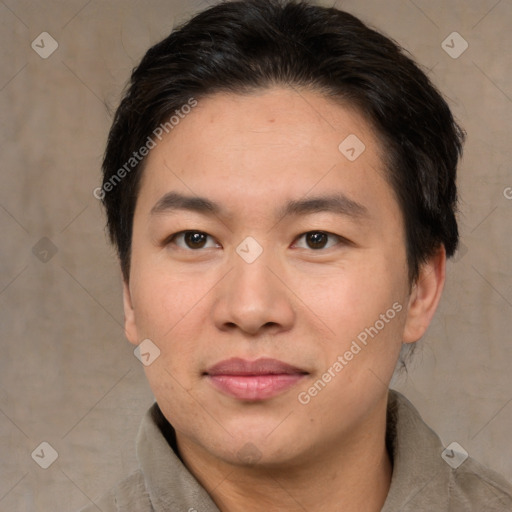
(353, 477)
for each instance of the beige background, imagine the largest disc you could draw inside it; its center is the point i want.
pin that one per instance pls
(68, 376)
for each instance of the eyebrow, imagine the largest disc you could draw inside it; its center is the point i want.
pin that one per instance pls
(337, 203)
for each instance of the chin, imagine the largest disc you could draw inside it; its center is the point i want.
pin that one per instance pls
(260, 449)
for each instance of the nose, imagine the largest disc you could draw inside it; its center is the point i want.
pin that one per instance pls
(254, 298)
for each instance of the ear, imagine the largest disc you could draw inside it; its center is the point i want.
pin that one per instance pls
(425, 296)
(130, 327)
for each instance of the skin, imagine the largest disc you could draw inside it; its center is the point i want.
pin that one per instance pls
(295, 303)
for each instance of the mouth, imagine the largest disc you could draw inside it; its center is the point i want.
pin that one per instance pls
(254, 380)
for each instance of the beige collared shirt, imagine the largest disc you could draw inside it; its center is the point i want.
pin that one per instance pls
(422, 481)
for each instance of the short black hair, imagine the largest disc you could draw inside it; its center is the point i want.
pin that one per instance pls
(249, 45)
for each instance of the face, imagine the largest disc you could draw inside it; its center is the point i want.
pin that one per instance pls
(280, 302)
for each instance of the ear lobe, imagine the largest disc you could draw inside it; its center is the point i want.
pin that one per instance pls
(130, 327)
(425, 296)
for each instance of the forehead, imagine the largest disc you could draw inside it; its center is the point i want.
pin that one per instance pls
(285, 121)
(255, 149)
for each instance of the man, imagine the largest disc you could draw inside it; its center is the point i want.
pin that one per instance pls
(279, 183)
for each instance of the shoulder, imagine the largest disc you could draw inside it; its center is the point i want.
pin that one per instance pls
(423, 480)
(474, 487)
(129, 495)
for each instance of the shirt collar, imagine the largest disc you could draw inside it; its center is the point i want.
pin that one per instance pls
(420, 475)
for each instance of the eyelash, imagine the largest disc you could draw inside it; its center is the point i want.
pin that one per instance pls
(171, 239)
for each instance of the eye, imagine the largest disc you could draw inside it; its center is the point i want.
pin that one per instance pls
(193, 240)
(318, 239)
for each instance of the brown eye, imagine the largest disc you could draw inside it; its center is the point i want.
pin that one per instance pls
(195, 239)
(189, 240)
(316, 239)
(319, 240)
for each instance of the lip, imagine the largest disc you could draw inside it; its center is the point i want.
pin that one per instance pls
(256, 380)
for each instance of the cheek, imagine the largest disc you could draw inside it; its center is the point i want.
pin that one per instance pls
(357, 294)
(172, 311)
(364, 308)
(162, 300)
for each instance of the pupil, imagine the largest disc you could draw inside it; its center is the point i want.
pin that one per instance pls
(317, 239)
(195, 238)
